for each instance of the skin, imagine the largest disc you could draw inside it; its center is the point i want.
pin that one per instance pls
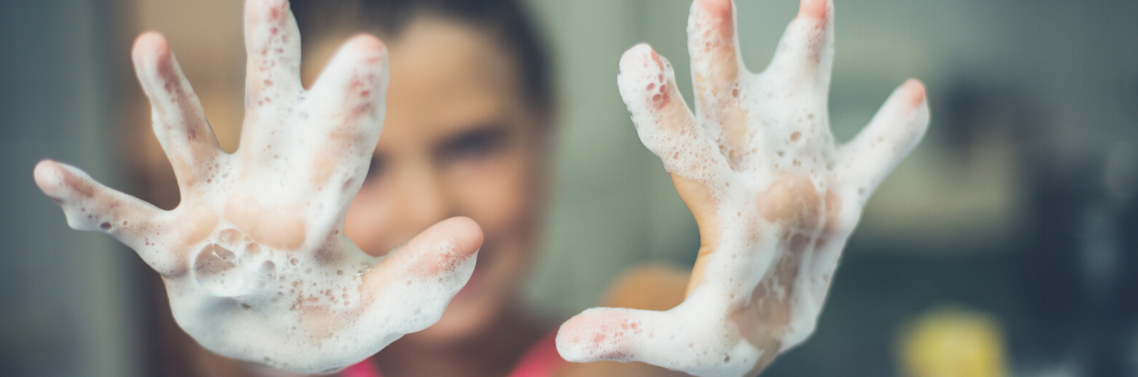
(788, 232)
(455, 90)
(459, 140)
(462, 144)
(317, 145)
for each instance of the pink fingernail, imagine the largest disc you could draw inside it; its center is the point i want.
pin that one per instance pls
(813, 9)
(916, 91)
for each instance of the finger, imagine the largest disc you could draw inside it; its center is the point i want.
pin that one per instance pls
(179, 122)
(91, 206)
(616, 334)
(666, 127)
(664, 339)
(443, 256)
(350, 97)
(714, 48)
(805, 53)
(423, 276)
(894, 131)
(716, 66)
(272, 44)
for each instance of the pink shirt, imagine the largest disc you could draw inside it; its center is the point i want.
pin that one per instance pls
(540, 361)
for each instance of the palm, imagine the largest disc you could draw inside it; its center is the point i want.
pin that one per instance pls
(254, 257)
(774, 198)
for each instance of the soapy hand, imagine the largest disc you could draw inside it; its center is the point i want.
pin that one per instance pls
(254, 257)
(774, 198)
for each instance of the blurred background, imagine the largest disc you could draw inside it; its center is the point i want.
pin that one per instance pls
(1007, 243)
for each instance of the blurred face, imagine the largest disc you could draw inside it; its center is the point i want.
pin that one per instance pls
(458, 140)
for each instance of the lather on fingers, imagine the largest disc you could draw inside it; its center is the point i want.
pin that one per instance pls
(774, 198)
(179, 121)
(91, 206)
(254, 257)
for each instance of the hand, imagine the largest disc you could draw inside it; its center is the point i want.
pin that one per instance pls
(254, 257)
(774, 198)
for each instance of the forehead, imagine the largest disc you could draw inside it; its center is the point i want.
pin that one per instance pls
(444, 72)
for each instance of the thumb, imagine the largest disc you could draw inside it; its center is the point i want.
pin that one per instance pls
(673, 339)
(443, 254)
(615, 334)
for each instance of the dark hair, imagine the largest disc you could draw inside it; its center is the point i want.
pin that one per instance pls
(506, 21)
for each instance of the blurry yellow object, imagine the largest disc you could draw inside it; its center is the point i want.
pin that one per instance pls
(953, 343)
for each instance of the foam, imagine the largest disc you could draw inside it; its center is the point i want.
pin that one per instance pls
(786, 198)
(254, 259)
(295, 312)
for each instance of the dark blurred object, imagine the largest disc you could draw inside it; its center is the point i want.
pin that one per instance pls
(1076, 266)
(66, 298)
(1130, 94)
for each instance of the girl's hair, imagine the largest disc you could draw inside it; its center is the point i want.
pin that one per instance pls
(506, 21)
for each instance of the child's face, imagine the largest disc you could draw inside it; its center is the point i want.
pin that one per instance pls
(459, 140)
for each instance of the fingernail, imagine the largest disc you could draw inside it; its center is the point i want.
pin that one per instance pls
(916, 91)
(720, 10)
(813, 9)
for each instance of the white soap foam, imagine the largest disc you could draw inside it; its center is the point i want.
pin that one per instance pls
(254, 259)
(767, 280)
(293, 311)
(311, 309)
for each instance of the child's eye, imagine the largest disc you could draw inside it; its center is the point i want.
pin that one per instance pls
(474, 145)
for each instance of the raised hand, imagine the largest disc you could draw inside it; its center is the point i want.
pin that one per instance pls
(254, 257)
(774, 198)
